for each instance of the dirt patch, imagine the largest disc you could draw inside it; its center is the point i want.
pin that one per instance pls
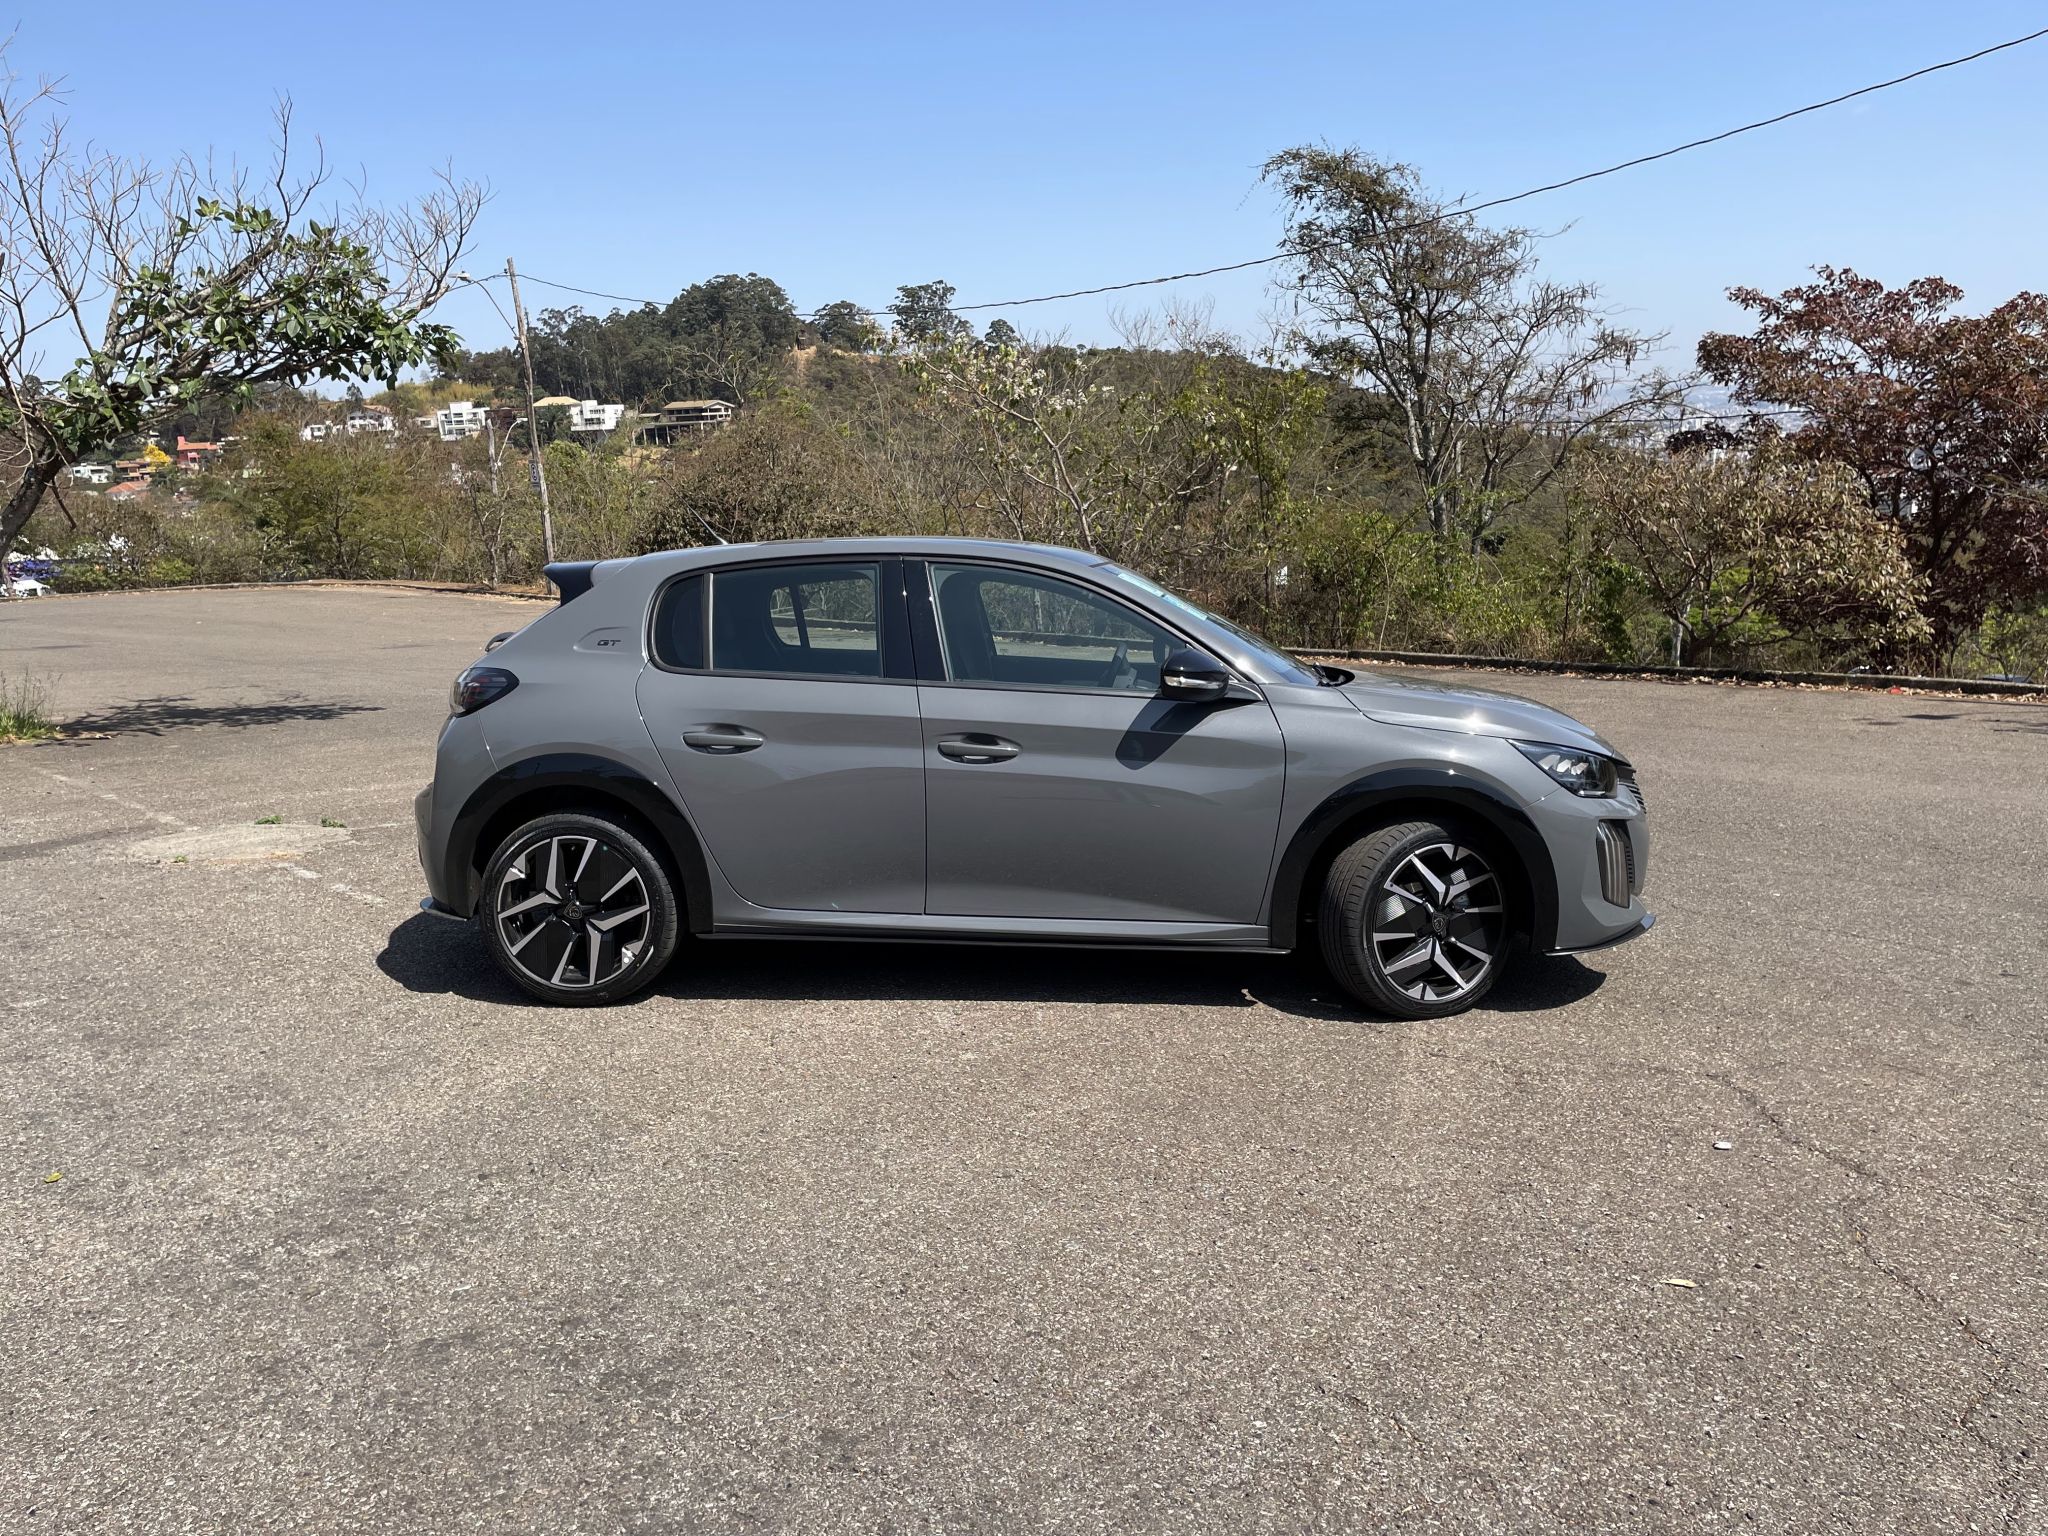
(239, 843)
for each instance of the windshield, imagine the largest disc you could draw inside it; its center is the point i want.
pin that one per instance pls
(1267, 654)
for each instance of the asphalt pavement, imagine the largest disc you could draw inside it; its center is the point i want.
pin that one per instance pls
(311, 1223)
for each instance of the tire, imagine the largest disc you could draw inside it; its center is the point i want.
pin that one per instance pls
(1413, 919)
(545, 929)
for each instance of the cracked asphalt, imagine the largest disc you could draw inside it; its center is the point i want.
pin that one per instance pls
(312, 1225)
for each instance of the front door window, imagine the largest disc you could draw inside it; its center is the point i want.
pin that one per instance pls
(1020, 629)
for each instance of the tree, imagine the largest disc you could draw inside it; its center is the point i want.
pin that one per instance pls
(771, 475)
(213, 282)
(731, 334)
(1001, 333)
(1753, 545)
(317, 505)
(847, 326)
(1942, 417)
(1173, 455)
(924, 313)
(1491, 373)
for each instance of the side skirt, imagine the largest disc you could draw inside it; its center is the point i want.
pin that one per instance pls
(914, 927)
(997, 941)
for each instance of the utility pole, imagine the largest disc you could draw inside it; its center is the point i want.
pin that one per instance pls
(539, 475)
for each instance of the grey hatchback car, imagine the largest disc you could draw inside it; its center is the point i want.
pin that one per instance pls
(951, 739)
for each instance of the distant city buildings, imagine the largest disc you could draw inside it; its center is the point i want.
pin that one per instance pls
(127, 478)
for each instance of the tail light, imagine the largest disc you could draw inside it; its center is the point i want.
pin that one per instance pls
(477, 687)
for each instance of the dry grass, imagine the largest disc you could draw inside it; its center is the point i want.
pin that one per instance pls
(25, 708)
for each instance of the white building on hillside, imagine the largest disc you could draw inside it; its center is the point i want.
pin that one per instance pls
(458, 420)
(369, 418)
(589, 416)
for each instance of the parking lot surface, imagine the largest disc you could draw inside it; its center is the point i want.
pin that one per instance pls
(311, 1223)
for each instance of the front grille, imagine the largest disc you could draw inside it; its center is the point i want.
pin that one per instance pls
(1617, 863)
(1635, 790)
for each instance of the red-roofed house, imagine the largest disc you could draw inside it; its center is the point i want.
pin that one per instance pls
(196, 455)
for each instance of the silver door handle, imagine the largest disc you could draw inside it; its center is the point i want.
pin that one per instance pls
(722, 738)
(977, 749)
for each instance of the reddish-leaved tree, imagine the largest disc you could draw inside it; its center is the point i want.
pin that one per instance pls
(1943, 417)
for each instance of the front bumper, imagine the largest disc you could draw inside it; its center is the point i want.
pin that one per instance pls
(1633, 931)
(1575, 831)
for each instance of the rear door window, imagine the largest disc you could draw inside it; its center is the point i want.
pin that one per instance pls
(798, 620)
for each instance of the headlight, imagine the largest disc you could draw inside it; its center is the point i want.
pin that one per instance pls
(1583, 773)
(478, 687)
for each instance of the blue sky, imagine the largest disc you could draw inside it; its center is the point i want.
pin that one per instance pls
(1020, 149)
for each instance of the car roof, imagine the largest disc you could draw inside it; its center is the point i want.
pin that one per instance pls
(927, 546)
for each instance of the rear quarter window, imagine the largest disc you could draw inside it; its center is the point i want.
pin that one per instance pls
(679, 625)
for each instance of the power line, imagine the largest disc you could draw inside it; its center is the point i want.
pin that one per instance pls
(1437, 218)
(1554, 186)
(623, 298)
(479, 282)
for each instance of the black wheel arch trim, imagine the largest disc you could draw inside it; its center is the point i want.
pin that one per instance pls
(1371, 796)
(559, 776)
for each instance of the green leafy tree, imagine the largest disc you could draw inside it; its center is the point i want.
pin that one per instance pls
(1745, 546)
(317, 506)
(208, 283)
(1176, 455)
(1001, 333)
(924, 314)
(774, 474)
(1487, 372)
(732, 335)
(846, 326)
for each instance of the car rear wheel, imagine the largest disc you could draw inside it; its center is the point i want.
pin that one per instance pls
(577, 909)
(1413, 920)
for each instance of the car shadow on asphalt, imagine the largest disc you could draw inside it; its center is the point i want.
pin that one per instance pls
(2025, 718)
(171, 712)
(432, 955)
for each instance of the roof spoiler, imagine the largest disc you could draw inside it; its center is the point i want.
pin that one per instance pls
(572, 578)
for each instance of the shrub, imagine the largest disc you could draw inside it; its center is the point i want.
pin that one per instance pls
(25, 709)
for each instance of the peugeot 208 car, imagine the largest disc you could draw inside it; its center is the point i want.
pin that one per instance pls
(953, 739)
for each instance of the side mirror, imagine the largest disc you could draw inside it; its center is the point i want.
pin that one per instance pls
(1193, 675)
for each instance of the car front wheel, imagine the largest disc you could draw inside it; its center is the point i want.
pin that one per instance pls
(577, 909)
(1413, 920)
